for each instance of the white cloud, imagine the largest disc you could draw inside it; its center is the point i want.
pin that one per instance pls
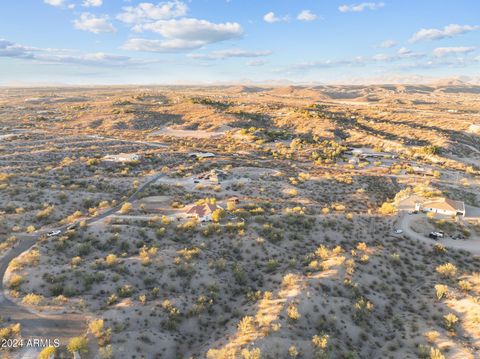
(306, 15)
(92, 23)
(361, 7)
(195, 30)
(383, 57)
(256, 63)
(10, 49)
(319, 65)
(401, 55)
(457, 62)
(56, 56)
(54, 2)
(272, 18)
(183, 35)
(387, 44)
(89, 59)
(404, 51)
(145, 12)
(438, 34)
(223, 54)
(92, 3)
(174, 45)
(446, 51)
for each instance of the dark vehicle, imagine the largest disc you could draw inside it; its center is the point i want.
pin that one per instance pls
(439, 234)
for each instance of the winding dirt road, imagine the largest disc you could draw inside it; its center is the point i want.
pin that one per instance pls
(33, 325)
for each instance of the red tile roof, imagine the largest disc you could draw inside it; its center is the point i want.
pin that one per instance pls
(202, 210)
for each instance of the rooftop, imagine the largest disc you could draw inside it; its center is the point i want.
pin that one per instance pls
(446, 204)
(201, 210)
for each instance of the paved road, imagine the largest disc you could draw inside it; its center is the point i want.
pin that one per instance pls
(61, 326)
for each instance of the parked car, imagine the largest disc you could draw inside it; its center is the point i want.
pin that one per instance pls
(398, 231)
(439, 234)
(54, 233)
(433, 235)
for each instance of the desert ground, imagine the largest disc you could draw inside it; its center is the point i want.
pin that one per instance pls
(240, 222)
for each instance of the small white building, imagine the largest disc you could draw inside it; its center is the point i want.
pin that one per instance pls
(368, 153)
(201, 155)
(215, 176)
(445, 206)
(122, 158)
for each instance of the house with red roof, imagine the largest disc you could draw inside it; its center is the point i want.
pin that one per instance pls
(203, 212)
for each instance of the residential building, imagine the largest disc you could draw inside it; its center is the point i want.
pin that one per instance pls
(202, 212)
(443, 206)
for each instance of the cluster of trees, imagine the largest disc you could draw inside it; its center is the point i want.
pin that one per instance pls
(327, 150)
(221, 105)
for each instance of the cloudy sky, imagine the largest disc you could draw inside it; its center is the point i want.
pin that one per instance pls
(211, 41)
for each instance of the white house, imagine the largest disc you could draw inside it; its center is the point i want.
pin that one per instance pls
(122, 158)
(443, 206)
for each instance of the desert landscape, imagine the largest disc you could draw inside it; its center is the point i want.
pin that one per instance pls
(240, 221)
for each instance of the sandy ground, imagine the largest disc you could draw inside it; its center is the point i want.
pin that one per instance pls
(152, 144)
(61, 324)
(168, 131)
(188, 183)
(239, 271)
(34, 324)
(27, 353)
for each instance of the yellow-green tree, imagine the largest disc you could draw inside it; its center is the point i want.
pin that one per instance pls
(231, 206)
(217, 215)
(126, 208)
(47, 352)
(78, 344)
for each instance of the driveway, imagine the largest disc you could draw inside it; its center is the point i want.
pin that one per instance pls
(404, 220)
(472, 212)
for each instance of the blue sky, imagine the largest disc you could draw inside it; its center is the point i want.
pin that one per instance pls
(211, 41)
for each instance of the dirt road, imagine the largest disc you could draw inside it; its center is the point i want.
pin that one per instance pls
(46, 326)
(59, 326)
